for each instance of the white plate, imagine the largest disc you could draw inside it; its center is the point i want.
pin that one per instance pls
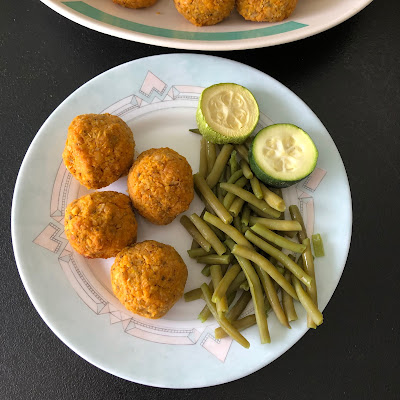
(157, 97)
(162, 25)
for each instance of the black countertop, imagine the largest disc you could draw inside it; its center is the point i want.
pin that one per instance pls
(349, 76)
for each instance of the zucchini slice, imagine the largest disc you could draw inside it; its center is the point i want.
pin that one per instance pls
(227, 113)
(282, 155)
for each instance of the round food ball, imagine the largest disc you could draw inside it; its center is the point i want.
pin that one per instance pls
(160, 184)
(205, 12)
(148, 278)
(265, 10)
(135, 3)
(100, 224)
(99, 149)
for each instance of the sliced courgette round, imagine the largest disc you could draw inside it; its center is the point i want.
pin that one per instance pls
(227, 113)
(282, 155)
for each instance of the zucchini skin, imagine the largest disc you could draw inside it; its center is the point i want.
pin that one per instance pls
(268, 179)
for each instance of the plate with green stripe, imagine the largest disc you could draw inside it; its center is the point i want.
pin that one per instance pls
(162, 25)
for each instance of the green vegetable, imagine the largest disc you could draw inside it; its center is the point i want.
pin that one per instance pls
(318, 245)
(227, 113)
(282, 155)
(240, 325)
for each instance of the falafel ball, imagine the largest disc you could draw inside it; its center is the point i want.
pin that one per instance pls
(160, 185)
(205, 12)
(100, 224)
(99, 149)
(265, 10)
(148, 278)
(135, 3)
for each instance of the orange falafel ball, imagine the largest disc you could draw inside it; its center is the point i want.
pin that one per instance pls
(99, 149)
(265, 10)
(160, 185)
(205, 12)
(148, 278)
(100, 224)
(135, 3)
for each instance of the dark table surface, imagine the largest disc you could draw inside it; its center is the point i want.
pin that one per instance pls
(349, 76)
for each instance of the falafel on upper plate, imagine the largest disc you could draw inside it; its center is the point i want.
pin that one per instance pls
(100, 224)
(99, 149)
(148, 278)
(205, 12)
(265, 10)
(135, 3)
(160, 185)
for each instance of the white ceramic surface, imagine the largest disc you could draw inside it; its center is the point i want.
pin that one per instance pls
(162, 25)
(157, 97)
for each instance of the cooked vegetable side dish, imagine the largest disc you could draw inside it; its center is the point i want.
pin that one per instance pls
(243, 204)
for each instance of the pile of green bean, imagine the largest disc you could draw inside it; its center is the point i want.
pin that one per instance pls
(242, 238)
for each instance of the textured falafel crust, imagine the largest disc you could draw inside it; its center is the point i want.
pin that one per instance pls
(100, 224)
(265, 10)
(99, 149)
(205, 12)
(148, 278)
(135, 3)
(160, 185)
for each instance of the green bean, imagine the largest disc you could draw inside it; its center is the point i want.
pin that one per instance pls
(280, 241)
(287, 302)
(236, 207)
(192, 295)
(231, 231)
(216, 277)
(296, 216)
(211, 156)
(234, 286)
(256, 294)
(245, 286)
(196, 235)
(307, 302)
(256, 187)
(279, 256)
(308, 265)
(219, 233)
(206, 270)
(245, 218)
(233, 162)
(258, 212)
(248, 141)
(276, 224)
(195, 130)
(249, 198)
(220, 194)
(234, 313)
(219, 165)
(215, 259)
(272, 296)
(247, 172)
(223, 285)
(230, 197)
(252, 255)
(209, 196)
(243, 152)
(194, 253)
(208, 234)
(273, 199)
(221, 319)
(235, 176)
(318, 245)
(203, 168)
(240, 325)
(194, 245)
